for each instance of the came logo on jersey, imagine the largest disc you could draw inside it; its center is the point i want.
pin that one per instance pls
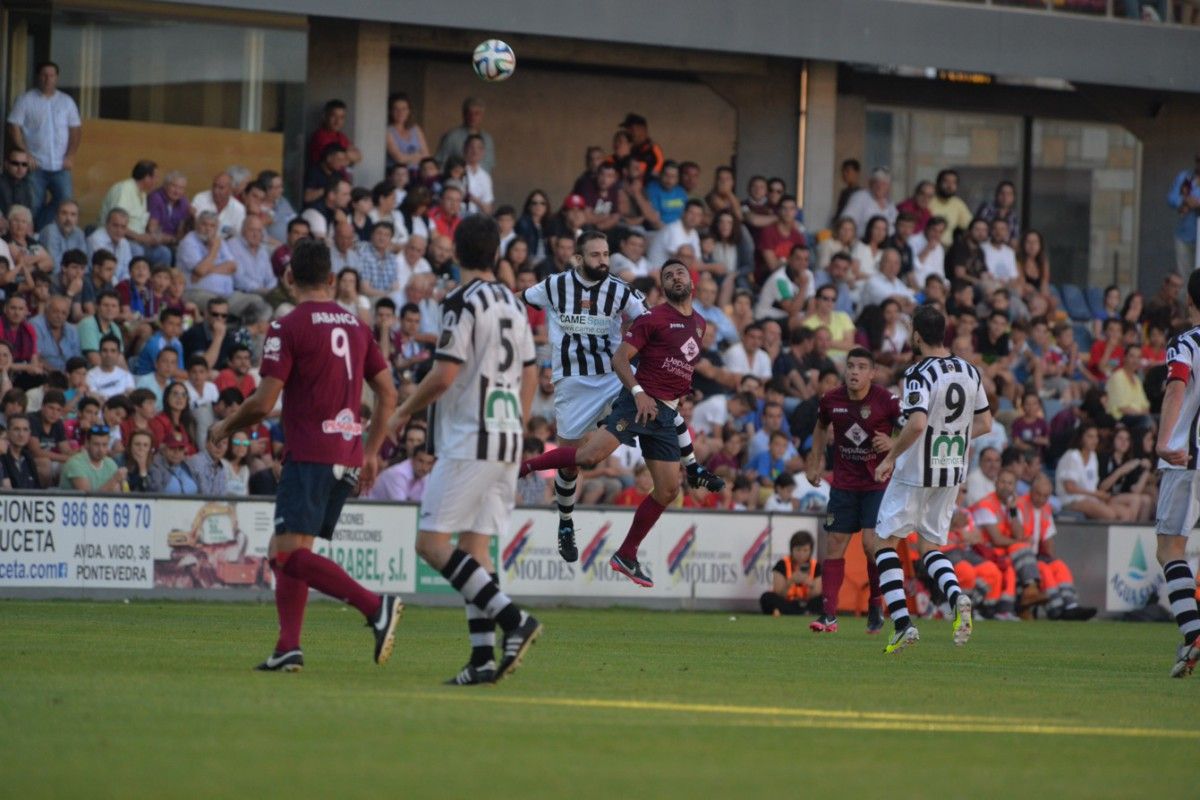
(584, 321)
(950, 392)
(1183, 364)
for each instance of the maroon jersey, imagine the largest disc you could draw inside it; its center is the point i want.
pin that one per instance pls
(322, 353)
(855, 423)
(668, 345)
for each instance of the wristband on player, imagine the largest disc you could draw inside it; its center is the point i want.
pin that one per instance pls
(637, 389)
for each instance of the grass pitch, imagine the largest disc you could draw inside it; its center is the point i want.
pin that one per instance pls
(158, 700)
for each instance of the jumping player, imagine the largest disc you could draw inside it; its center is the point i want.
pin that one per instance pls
(944, 407)
(666, 341)
(863, 417)
(586, 310)
(318, 356)
(483, 378)
(1178, 449)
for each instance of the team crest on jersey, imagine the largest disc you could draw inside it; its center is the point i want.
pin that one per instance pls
(914, 398)
(445, 339)
(271, 348)
(344, 423)
(690, 349)
(622, 424)
(864, 412)
(585, 303)
(856, 434)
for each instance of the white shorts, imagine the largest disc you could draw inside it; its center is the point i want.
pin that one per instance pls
(581, 403)
(1178, 501)
(468, 496)
(924, 509)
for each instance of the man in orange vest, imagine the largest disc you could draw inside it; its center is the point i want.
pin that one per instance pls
(1004, 545)
(976, 574)
(795, 581)
(1037, 527)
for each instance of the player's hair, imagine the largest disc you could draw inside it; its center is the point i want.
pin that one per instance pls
(588, 236)
(671, 262)
(860, 352)
(310, 263)
(800, 539)
(476, 242)
(1193, 288)
(930, 325)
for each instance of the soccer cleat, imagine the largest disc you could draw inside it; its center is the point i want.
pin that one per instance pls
(823, 624)
(874, 619)
(1185, 659)
(516, 643)
(963, 620)
(700, 478)
(902, 639)
(631, 569)
(384, 626)
(566, 541)
(472, 675)
(291, 661)
(1078, 613)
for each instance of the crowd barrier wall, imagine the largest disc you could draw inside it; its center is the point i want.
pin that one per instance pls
(65, 545)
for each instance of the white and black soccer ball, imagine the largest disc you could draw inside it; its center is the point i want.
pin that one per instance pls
(494, 61)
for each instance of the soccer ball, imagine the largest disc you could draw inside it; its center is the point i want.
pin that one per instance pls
(494, 60)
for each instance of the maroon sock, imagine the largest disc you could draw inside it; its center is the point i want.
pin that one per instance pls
(832, 572)
(643, 520)
(328, 578)
(559, 458)
(873, 579)
(291, 596)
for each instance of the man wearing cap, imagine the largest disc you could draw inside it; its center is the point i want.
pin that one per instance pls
(571, 220)
(644, 148)
(169, 472)
(873, 201)
(91, 469)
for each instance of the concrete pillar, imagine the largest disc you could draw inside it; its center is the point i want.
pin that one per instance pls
(348, 60)
(820, 152)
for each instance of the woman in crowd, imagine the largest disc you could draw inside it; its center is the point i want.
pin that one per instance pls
(1133, 311)
(929, 255)
(361, 207)
(532, 225)
(845, 240)
(405, 140)
(918, 204)
(1033, 268)
(237, 468)
(1123, 474)
(732, 248)
(723, 196)
(1077, 482)
(517, 255)
(874, 237)
(176, 416)
(1003, 206)
(350, 296)
(136, 460)
(27, 254)
(6, 362)
(275, 204)
(1111, 310)
(415, 210)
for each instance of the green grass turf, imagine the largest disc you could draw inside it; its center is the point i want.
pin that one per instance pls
(158, 700)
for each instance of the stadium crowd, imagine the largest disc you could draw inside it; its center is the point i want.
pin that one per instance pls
(125, 337)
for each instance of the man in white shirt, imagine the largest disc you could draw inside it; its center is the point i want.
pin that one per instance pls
(888, 284)
(710, 414)
(220, 200)
(981, 481)
(411, 262)
(747, 356)
(254, 274)
(480, 197)
(998, 254)
(110, 378)
(45, 122)
(630, 262)
(675, 235)
(873, 201)
(344, 252)
(112, 238)
(405, 481)
(786, 290)
(206, 259)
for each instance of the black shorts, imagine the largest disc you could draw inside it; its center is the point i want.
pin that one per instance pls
(657, 438)
(851, 511)
(310, 497)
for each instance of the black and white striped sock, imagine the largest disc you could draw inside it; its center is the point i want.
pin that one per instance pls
(686, 454)
(473, 583)
(482, 632)
(1181, 593)
(564, 494)
(941, 571)
(891, 585)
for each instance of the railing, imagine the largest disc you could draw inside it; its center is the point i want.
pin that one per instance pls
(1154, 11)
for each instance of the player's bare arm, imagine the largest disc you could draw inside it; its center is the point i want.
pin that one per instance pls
(1172, 403)
(250, 413)
(434, 385)
(647, 408)
(913, 428)
(816, 456)
(377, 431)
(981, 425)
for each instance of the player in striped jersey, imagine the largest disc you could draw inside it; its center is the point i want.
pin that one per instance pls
(483, 379)
(1178, 449)
(586, 308)
(944, 406)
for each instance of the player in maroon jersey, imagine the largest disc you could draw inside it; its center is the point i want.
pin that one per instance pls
(318, 356)
(666, 341)
(863, 417)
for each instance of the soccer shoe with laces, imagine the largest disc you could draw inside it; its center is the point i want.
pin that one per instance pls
(902, 639)
(384, 626)
(566, 541)
(823, 624)
(631, 569)
(1185, 659)
(874, 619)
(291, 661)
(516, 643)
(472, 675)
(964, 621)
(700, 478)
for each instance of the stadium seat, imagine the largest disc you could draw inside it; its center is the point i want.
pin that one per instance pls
(1051, 407)
(1095, 298)
(1075, 303)
(1083, 336)
(1056, 293)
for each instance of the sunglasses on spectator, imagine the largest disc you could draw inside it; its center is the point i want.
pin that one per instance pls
(98, 430)
(218, 315)
(242, 442)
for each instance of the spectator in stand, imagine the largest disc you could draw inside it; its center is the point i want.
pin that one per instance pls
(786, 291)
(1165, 309)
(1184, 198)
(838, 324)
(26, 370)
(477, 181)
(26, 254)
(383, 201)
(20, 470)
(448, 214)
(918, 204)
(887, 284)
(900, 241)
(220, 200)
(111, 238)
(130, 195)
(208, 468)
(91, 469)
(965, 260)
(348, 294)
(875, 236)
(318, 177)
(689, 179)
(642, 147)
(1127, 400)
(949, 206)
(452, 141)
(109, 378)
(236, 464)
(102, 322)
(254, 273)
(169, 208)
(845, 240)
(666, 196)
(169, 472)
(139, 452)
(999, 257)
(571, 220)
(212, 338)
(531, 226)
(747, 357)
(50, 446)
(839, 277)
(44, 126)
(1108, 353)
(405, 140)
(159, 378)
(1122, 472)
(629, 262)
(929, 256)
(176, 418)
(63, 233)
(237, 374)
(1031, 431)
(1077, 482)
(1034, 268)
(981, 480)
(775, 242)
(170, 328)
(275, 205)
(1003, 206)
(873, 201)
(333, 120)
(210, 266)
(57, 339)
(297, 230)
(795, 581)
(851, 174)
(404, 481)
(674, 235)
(603, 197)
(723, 196)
